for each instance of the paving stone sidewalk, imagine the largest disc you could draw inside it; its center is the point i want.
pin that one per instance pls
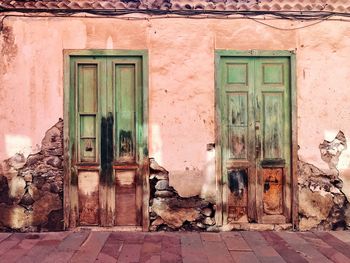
(95, 246)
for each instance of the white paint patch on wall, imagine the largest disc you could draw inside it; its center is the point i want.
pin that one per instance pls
(155, 147)
(15, 143)
(208, 189)
(109, 44)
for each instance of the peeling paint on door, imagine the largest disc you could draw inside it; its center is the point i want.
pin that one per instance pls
(255, 128)
(107, 98)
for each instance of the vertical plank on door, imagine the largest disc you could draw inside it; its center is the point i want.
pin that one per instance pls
(237, 193)
(237, 135)
(273, 135)
(106, 140)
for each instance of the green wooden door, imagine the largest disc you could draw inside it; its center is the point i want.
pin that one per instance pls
(255, 139)
(107, 142)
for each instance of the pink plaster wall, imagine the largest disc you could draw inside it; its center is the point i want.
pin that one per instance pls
(181, 82)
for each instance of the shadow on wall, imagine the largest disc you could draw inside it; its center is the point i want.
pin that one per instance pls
(31, 189)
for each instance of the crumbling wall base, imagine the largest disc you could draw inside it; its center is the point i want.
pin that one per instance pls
(31, 189)
(322, 204)
(171, 212)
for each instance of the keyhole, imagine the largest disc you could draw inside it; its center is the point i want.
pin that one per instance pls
(266, 186)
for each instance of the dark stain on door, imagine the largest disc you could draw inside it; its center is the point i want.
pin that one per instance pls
(238, 181)
(126, 143)
(255, 110)
(107, 156)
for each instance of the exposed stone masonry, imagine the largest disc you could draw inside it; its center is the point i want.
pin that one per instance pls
(170, 212)
(31, 193)
(322, 204)
(31, 189)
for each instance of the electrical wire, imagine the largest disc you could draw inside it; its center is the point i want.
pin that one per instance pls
(151, 14)
(290, 29)
(190, 12)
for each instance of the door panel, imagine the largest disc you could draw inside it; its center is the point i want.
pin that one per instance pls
(87, 86)
(272, 138)
(126, 210)
(237, 195)
(87, 82)
(108, 129)
(273, 191)
(256, 145)
(237, 125)
(125, 112)
(88, 185)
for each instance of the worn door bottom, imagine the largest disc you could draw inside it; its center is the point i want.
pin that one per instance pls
(110, 229)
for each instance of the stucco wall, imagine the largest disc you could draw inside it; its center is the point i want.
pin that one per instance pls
(181, 83)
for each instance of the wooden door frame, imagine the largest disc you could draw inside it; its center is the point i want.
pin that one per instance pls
(70, 176)
(219, 54)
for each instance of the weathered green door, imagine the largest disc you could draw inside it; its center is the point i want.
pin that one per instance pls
(107, 140)
(255, 139)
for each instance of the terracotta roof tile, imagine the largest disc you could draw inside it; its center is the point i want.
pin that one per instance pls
(339, 6)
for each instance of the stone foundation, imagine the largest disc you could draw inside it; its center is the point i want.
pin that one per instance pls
(31, 189)
(31, 194)
(171, 212)
(322, 204)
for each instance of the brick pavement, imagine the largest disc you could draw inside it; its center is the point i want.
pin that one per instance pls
(97, 246)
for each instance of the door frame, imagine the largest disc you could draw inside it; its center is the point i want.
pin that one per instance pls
(219, 54)
(70, 177)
